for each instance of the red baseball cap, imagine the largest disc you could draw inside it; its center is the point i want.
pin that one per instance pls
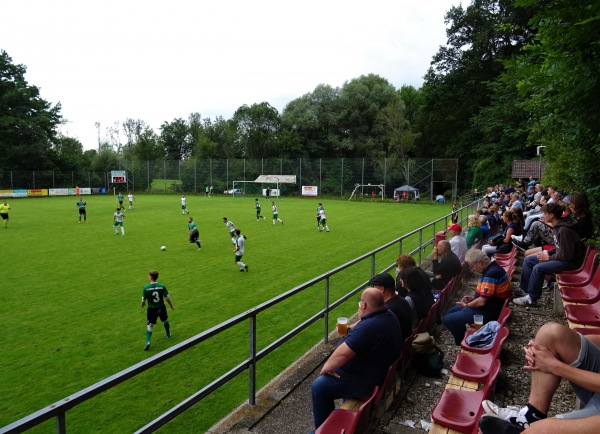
(455, 227)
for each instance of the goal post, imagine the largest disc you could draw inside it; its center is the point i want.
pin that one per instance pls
(371, 189)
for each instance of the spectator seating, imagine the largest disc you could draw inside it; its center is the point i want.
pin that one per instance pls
(585, 294)
(583, 275)
(346, 421)
(460, 409)
(498, 342)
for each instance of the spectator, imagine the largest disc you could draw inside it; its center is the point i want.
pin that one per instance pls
(361, 360)
(386, 284)
(512, 227)
(567, 254)
(515, 202)
(581, 214)
(414, 285)
(474, 234)
(557, 352)
(457, 242)
(445, 265)
(484, 226)
(491, 292)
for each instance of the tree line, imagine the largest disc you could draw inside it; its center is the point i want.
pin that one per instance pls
(513, 75)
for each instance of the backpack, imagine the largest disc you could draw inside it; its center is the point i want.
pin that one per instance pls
(427, 358)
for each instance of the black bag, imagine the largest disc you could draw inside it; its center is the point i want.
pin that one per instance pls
(496, 240)
(504, 248)
(429, 364)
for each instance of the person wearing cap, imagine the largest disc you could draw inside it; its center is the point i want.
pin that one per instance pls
(492, 291)
(445, 265)
(362, 358)
(457, 242)
(401, 308)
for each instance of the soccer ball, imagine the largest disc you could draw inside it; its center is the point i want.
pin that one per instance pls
(163, 248)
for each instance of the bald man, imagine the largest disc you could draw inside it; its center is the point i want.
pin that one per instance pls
(362, 358)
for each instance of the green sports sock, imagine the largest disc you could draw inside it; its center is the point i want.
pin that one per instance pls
(148, 336)
(167, 328)
(198, 243)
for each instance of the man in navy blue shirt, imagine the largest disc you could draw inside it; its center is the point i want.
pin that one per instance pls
(362, 358)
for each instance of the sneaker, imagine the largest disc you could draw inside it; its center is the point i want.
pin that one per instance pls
(242, 270)
(168, 335)
(503, 413)
(524, 301)
(489, 424)
(246, 268)
(147, 347)
(517, 237)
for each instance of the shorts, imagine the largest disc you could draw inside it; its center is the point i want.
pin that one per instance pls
(194, 236)
(81, 211)
(182, 206)
(118, 224)
(238, 258)
(157, 312)
(275, 216)
(258, 212)
(588, 360)
(4, 216)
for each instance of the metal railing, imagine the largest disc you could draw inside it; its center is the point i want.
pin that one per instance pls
(425, 237)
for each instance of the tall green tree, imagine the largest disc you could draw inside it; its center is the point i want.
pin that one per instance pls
(176, 140)
(258, 129)
(28, 123)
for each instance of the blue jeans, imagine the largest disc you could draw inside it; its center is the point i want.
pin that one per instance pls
(456, 318)
(533, 272)
(326, 389)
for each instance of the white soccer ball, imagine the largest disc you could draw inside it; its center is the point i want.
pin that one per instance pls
(163, 248)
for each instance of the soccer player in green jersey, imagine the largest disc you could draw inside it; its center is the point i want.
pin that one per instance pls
(118, 218)
(4, 209)
(120, 199)
(257, 206)
(82, 211)
(156, 294)
(194, 234)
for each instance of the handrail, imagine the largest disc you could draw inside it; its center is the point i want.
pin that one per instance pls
(58, 409)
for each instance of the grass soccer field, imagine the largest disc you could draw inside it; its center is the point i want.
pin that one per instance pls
(72, 312)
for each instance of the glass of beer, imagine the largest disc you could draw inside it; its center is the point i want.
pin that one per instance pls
(477, 321)
(342, 326)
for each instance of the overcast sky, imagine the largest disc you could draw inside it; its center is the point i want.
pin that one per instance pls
(106, 61)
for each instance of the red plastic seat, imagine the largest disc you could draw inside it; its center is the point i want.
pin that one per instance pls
(498, 342)
(341, 420)
(586, 294)
(388, 382)
(588, 331)
(476, 367)
(460, 409)
(505, 314)
(587, 314)
(581, 276)
(510, 255)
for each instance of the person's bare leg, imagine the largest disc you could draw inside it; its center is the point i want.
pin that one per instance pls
(566, 345)
(586, 425)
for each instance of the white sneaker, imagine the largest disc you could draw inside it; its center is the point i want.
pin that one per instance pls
(512, 414)
(503, 413)
(523, 301)
(517, 237)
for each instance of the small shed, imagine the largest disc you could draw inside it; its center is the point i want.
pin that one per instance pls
(406, 192)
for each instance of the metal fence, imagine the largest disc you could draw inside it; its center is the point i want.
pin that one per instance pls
(422, 239)
(332, 176)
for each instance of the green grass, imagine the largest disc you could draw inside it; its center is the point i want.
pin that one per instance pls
(72, 312)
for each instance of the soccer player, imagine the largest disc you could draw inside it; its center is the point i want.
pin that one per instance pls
(120, 199)
(4, 209)
(275, 213)
(231, 228)
(194, 234)
(323, 219)
(156, 294)
(240, 243)
(183, 205)
(118, 218)
(82, 211)
(319, 216)
(130, 198)
(257, 206)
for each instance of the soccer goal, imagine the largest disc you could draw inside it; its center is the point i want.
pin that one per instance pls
(272, 183)
(373, 191)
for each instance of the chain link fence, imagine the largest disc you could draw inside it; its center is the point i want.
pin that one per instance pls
(333, 176)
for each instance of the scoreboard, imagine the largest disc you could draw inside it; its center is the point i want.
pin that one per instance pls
(118, 176)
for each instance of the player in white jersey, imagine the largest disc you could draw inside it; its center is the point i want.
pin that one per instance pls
(240, 245)
(118, 218)
(183, 205)
(231, 228)
(323, 219)
(275, 213)
(130, 199)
